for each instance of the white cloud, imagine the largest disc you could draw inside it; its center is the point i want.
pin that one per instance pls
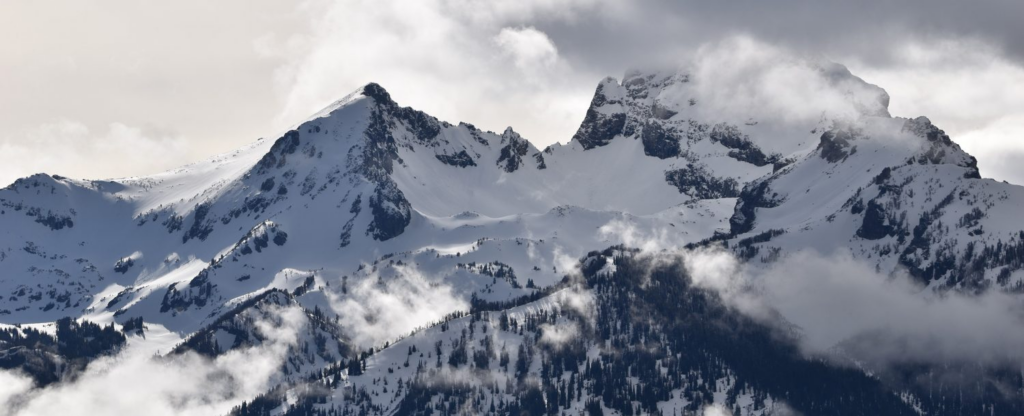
(649, 240)
(558, 334)
(966, 87)
(375, 311)
(564, 263)
(458, 60)
(72, 149)
(836, 300)
(531, 50)
(136, 382)
(579, 300)
(125, 62)
(13, 385)
(716, 410)
(741, 77)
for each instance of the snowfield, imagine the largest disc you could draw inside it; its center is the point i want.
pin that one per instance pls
(409, 244)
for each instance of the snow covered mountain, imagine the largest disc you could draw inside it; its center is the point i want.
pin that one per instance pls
(398, 235)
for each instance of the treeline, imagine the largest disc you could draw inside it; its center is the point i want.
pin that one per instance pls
(47, 358)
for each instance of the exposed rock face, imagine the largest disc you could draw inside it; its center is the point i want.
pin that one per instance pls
(460, 159)
(380, 150)
(277, 156)
(940, 146)
(539, 158)
(204, 286)
(740, 147)
(754, 196)
(837, 144)
(658, 142)
(876, 224)
(515, 147)
(698, 183)
(605, 118)
(201, 225)
(391, 212)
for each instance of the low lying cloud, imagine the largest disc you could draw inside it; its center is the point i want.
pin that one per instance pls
(837, 301)
(577, 299)
(135, 382)
(564, 263)
(716, 410)
(627, 233)
(375, 311)
(558, 334)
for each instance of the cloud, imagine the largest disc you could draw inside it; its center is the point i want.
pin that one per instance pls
(375, 311)
(70, 148)
(969, 89)
(628, 233)
(247, 68)
(741, 77)
(13, 385)
(531, 50)
(135, 382)
(716, 410)
(837, 301)
(480, 62)
(578, 299)
(558, 334)
(564, 263)
(130, 63)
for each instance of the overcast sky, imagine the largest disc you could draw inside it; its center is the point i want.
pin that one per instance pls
(96, 89)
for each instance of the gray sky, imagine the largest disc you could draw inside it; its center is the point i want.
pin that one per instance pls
(96, 89)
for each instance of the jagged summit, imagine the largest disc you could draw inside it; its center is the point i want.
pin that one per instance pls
(647, 104)
(378, 93)
(393, 221)
(366, 177)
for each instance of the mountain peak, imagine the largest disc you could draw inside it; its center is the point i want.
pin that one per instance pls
(378, 93)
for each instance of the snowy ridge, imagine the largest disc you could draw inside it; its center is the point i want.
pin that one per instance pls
(378, 221)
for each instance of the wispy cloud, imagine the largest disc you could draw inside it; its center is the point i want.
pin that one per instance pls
(835, 300)
(376, 310)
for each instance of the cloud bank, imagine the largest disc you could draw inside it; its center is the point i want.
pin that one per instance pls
(837, 303)
(135, 382)
(377, 310)
(834, 303)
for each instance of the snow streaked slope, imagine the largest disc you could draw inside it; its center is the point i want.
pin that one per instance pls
(366, 178)
(896, 192)
(363, 169)
(395, 220)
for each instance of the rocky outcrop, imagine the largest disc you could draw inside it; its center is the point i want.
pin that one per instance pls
(836, 144)
(515, 147)
(740, 147)
(698, 183)
(605, 118)
(659, 142)
(460, 159)
(391, 212)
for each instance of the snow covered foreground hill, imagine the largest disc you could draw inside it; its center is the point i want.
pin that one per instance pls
(439, 268)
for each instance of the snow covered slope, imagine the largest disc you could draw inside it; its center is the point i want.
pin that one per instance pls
(896, 192)
(395, 221)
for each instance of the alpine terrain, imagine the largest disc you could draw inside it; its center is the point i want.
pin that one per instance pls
(398, 264)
